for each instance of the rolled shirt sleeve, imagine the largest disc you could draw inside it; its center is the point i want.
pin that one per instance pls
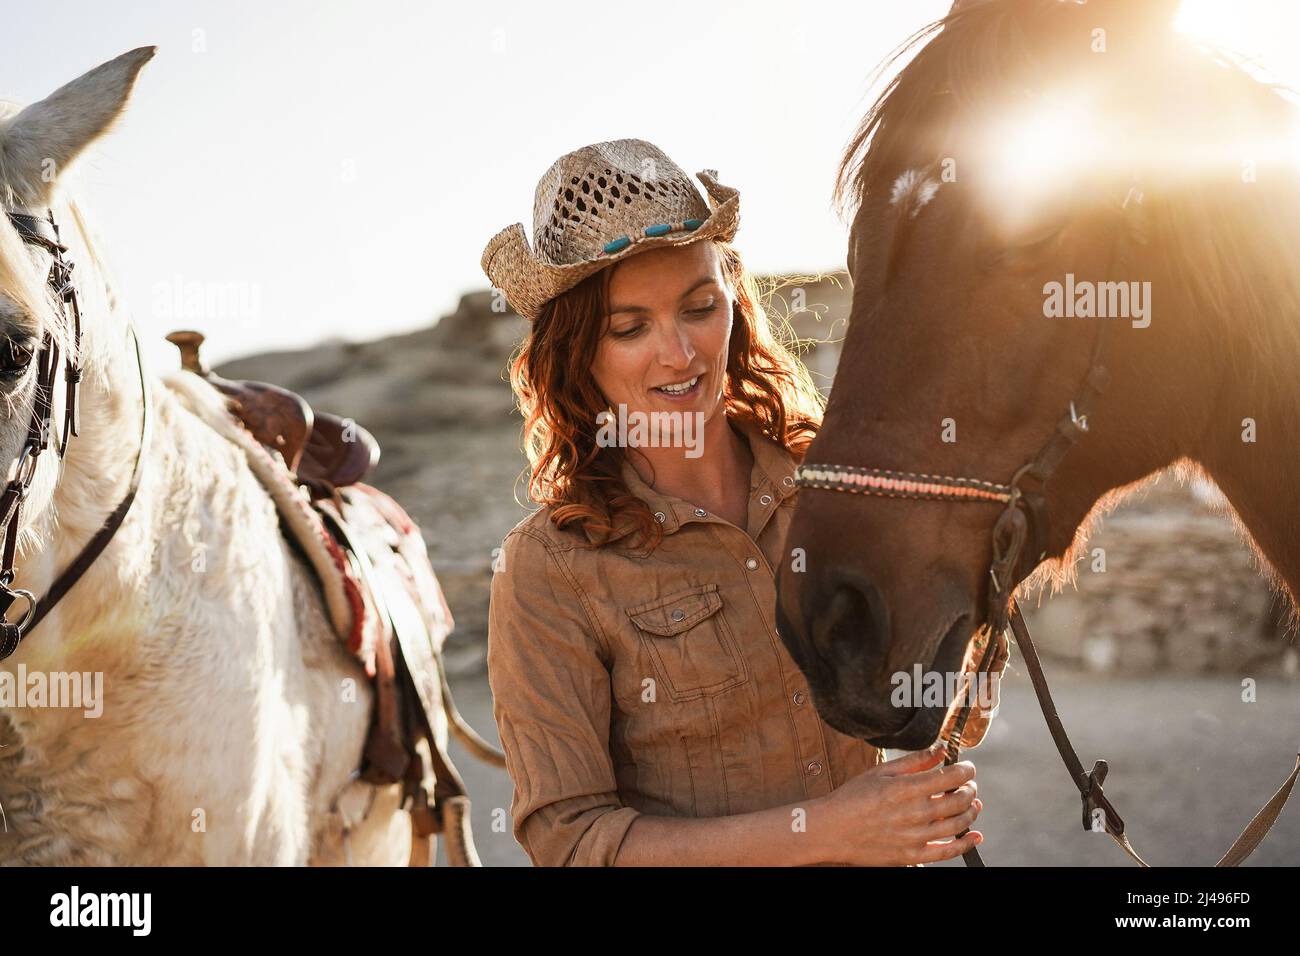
(551, 700)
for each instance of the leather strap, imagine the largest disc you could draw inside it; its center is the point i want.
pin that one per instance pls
(448, 810)
(972, 856)
(44, 232)
(1263, 821)
(37, 231)
(1089, 783)
(96, 545)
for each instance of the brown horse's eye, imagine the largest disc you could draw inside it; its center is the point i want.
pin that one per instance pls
(15, 356)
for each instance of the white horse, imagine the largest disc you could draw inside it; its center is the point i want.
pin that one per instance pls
(225, 736)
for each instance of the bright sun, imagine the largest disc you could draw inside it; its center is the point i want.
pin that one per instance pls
(1262, 30)
(1034, 154)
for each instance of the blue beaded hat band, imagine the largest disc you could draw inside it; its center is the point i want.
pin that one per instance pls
(596, 206)
(659, 229)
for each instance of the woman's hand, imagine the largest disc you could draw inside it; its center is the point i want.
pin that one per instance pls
(893, 814)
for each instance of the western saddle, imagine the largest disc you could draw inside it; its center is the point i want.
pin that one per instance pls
(322, 451)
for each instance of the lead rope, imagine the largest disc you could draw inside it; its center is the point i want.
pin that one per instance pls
(1096, 806)
(972, 856)
(1089, 784)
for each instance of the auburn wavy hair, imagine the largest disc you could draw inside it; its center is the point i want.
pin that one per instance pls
(557, 395)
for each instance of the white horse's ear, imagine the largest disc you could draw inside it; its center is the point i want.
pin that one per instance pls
(43, 139)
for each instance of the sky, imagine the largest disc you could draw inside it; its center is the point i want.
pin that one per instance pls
(295, 171)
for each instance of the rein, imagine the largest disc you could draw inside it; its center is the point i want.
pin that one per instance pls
(45, 233)
(1024, 520)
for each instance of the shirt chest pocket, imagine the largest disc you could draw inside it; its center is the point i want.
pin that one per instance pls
(690, 643)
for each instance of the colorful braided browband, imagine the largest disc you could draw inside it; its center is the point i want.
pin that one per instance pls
(899, 484)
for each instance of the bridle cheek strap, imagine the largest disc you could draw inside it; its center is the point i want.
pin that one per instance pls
(45, 233)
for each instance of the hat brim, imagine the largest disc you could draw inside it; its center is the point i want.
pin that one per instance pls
(529, 283)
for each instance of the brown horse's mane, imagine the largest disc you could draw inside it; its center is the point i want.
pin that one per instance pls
(1234, 247)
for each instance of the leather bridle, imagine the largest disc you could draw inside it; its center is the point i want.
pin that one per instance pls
(1020, 532)
(1019, 541)
(44, 232)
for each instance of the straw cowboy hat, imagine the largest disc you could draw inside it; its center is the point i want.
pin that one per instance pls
(598, 205)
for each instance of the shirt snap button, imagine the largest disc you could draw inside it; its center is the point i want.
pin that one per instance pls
(798, 698)
(751, 563)
(788, 481)
(678, 614)
(701, 513)
(814, 768)
(765, 500)
(660, 517)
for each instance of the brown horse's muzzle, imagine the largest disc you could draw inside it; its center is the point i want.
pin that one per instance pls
(867, 646)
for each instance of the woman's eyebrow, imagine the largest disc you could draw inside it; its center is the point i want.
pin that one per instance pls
(641, 308)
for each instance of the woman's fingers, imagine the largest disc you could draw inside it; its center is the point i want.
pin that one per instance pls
(939, 779)
(952, 803)
(924, 808)
(912, 763)
(951, 826)
(935, 852)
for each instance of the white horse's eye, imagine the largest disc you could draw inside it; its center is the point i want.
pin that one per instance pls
(15, 356)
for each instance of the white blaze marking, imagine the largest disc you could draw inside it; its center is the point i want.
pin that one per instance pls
(912, 190)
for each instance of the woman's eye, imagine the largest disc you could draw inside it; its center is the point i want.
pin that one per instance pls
(630, 331)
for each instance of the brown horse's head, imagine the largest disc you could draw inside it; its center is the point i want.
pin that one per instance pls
(1031, 150)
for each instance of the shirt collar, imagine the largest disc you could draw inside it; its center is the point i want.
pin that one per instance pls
(772, 474)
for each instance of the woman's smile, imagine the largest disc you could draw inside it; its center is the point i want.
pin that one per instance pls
(683, 391)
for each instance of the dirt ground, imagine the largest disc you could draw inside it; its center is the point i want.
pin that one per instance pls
(1190, 764)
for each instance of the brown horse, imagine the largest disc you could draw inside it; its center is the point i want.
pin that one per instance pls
(1033, 156)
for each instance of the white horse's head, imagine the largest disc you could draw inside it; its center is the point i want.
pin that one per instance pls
(37, 144)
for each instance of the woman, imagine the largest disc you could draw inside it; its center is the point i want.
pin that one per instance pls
(648, 711)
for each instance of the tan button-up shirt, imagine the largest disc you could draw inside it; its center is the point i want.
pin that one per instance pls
(627, 682)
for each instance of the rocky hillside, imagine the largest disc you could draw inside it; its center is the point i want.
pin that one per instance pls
(1180, 590)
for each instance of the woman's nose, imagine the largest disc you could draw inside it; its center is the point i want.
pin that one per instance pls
(676, 350)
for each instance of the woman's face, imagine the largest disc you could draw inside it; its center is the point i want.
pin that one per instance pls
(669, 326)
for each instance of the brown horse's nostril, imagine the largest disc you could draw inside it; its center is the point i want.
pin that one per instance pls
(850, 630)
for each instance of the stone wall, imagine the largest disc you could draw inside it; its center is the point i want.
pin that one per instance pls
(1167, 584)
